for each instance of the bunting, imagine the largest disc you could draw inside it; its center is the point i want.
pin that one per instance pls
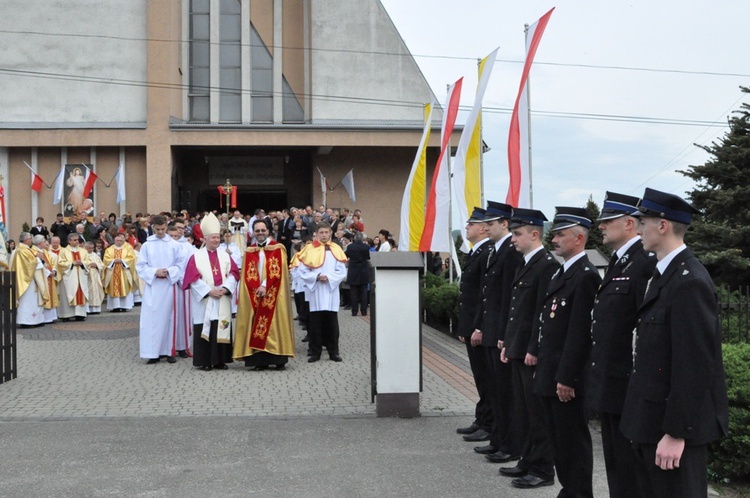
(412, 202)
(467, 176)
(519, 153)
(436, 236)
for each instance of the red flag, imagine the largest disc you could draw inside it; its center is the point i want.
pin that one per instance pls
(221, 196)
(518, 156)
(435, 236)
(233, 198)
(36, 182)
(90, 180)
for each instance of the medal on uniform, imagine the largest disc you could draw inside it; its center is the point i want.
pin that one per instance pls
(553, 308)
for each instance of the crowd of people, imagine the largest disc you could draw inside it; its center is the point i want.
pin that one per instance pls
(214, 288)
(549, 343)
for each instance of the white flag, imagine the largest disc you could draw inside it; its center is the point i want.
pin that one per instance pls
(57, 199)
(323, 187)
(348, 183)
(120, 179)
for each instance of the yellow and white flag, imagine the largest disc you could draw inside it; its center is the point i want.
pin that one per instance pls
(413, 201)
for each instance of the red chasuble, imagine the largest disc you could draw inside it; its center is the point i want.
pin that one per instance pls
(264, 307)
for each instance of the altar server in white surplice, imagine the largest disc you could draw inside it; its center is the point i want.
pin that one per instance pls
(159, 265)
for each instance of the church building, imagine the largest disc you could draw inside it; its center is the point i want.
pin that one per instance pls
(182, 95)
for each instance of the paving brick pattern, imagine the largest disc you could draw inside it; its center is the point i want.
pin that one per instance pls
(92, 369)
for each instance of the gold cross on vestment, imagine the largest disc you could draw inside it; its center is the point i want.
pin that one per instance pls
(215, 270)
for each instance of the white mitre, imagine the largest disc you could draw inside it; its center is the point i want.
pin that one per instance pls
(210, 225)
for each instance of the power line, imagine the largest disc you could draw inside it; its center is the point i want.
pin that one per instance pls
(360, 100)
(383, 53)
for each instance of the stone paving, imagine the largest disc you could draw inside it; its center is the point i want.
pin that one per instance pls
(92, 369)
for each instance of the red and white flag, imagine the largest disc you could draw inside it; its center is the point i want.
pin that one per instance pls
(519, 155)
(90, 180)
(436, 236)
(36, 182)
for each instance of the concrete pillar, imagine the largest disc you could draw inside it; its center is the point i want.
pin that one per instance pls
(5, 182)
(34, 195)
(123, 204)
(278, 52)
(246, 64)
(215, 67)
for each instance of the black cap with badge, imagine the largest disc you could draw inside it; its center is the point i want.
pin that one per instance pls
(523, 217)
(477, 216)
(567, 217)
(659, 204)
(617, 205)
(498, 211)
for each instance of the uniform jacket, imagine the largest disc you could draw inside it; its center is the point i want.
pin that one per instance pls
(529, 289)
(468, 299)
(492, 312)
(358, 272)
(565, 331)
(677, 385)
(614, 319)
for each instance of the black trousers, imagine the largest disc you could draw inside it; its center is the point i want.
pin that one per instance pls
(323, 330)
(619, 458)
(536, 447)
(303, 307)
(689, 480)
(358, 296)
(209, 353)
(503, 435)
(568, 429)
(478, 364)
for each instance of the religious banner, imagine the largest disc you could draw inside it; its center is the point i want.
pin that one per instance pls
(75, 182)
(264, 307)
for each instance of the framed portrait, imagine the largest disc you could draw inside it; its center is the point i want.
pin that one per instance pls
(73, 199)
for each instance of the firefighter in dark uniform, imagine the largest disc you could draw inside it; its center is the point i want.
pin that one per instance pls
(476, 262)
(614, 317)
(564, 347)
(676, 402)
(492, 316)
(536, 466)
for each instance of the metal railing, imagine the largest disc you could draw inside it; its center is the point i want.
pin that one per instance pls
(734, 313)
(8, 360)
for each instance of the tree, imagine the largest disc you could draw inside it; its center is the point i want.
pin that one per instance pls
(721, 236)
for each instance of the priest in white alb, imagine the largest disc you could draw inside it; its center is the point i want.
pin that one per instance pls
(96, 286)
(119, 261)
(30, 285)
(73, 263)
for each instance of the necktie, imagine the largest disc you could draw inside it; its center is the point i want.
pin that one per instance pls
(654, 277)
(490, 253)
(471, 252)
(612, 261)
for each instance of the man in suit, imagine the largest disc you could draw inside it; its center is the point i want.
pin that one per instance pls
(536, 466)
(614, 318)
(676, 402)
(358, 273)
(564, 346)
(471, 272)
(491, 319)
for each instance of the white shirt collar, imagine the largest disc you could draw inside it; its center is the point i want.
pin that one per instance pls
(530, 255)
(500, 242)
(479, 244)
(627, 245)
(663, 263)
(572, 260)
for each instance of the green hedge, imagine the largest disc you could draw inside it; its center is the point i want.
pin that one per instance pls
(440, 300)
(730, 457)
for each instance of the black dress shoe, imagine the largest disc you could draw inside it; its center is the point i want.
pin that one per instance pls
(280, 367)
(500, 457)
(151, 361)
(336, 358)
(478, 435)
(171, 359)
(513, 471)
(182, 353)
(313, 359)
(206, 368)
(221, 366)
(485, 450)
(530, 481)
(260, 368)
(468, 430)
(306, 338)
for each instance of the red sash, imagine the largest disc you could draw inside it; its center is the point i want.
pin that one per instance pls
(265, 307)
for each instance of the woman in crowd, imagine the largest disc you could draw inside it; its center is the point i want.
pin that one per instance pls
(383, 236)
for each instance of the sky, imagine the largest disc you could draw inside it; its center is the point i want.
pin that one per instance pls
(676, 61)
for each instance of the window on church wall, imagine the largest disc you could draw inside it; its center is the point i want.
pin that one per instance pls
(200, 61)
(262, 79)
(230, 55)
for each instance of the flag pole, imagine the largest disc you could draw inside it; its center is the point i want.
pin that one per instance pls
(481, 149)
(527, 89)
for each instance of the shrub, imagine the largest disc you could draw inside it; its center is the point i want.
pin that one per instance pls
(441, 303)
(729, 457)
